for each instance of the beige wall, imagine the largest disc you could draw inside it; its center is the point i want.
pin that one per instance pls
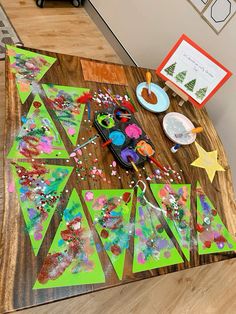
(148, 28)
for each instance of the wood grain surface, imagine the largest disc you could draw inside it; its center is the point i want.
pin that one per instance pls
(20, 267)
(195, 290)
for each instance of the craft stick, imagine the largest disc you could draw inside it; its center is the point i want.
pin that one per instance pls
(106, 90)
(108, 142)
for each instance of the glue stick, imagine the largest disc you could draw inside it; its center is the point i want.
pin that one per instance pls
(175, 148)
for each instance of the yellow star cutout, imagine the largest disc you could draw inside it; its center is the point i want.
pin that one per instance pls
(207, 161)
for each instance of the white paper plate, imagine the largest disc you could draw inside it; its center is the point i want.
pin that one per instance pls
(175, 123)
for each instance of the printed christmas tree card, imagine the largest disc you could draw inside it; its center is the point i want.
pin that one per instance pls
(193, 71)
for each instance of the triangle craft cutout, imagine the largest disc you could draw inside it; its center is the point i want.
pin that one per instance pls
(213, 237)
(38, 136)
(72, 258)
(39, 188)
(68, 111)
(175, 200)
(28, 66)
(110, 212)
(152, 246)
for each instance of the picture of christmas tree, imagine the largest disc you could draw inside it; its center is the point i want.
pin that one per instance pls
(190, 85)
(201, 93)
(180, 77)
(171, 69)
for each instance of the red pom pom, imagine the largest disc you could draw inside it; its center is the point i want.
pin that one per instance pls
(220, 239)
(104, 234)
(199, 228)
(126, 197)
(37, 104)
(214, 212)
(207, 244)
(115, 249)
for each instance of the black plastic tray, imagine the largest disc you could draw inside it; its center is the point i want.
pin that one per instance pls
(120, 126)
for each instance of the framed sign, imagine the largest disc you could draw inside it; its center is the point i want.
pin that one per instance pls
(199, 4)
(193, 71)
(219, 13)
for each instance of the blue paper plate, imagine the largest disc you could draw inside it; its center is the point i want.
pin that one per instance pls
(163, 101)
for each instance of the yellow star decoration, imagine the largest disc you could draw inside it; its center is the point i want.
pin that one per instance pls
(207, 161)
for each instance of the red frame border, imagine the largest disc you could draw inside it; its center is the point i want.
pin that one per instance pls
(193, 44)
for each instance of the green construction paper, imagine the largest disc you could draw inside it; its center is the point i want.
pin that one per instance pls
(180, 226)
(28, 66)
(47, 141)
(90, 271)
(152, 246)
(39, 188)
(97, 201)
(210, 228)
(70, 116)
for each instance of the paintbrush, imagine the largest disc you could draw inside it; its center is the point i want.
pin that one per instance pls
(108, 142)
(124, 115)
(193, 131)
(107, 119)
(113, 98)
(156, 162)
(148, 80)
(130, 159)
(85, 143)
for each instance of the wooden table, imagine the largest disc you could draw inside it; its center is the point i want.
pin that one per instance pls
(19, 266)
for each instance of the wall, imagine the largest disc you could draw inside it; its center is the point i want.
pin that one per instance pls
(148, 29)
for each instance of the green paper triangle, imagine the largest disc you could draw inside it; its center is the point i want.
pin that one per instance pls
(117, 240)
(213, 237)
(152, 246)
(38, 136)
(28, 66)
(72, 256)
(70, 116)
(175, 200)
(39, 188)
